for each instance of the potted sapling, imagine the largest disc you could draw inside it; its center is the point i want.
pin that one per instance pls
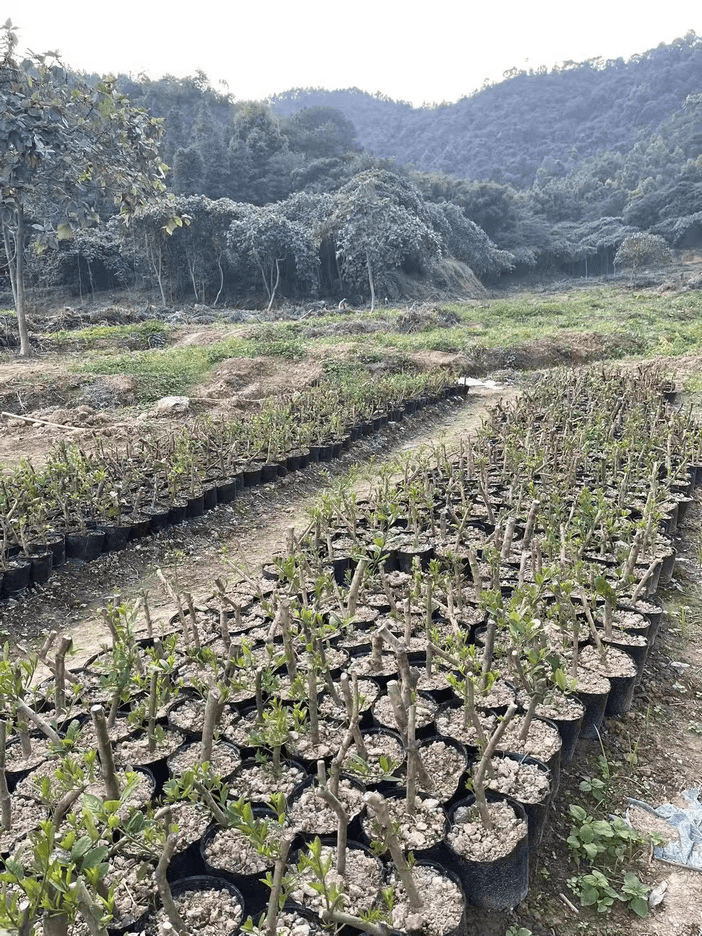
(488, 836)
(267, 771)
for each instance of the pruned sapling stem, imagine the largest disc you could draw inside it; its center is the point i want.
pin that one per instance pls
(530, 524)
(312, 702)
(475, 571)
(224, 627)
(398, 707)
(40, 722)
(508, 537)
(23, 732)
(290, 656)
(342, 816)
(355, 586)
(352, 705)
(89, 909)
(594, 633)
(212, 710)
(488, 651)
(646, 576)
(326, 672)
(534, 701)
(412, 756)
(632, 557)
(344, 920)
(379, 807)
(104, 747)
(386, 588)
(175, 597)
(65, 645)
(479, 775)
(153, 703)
(376, 660)
(164, 889)
(193, 619)
(5, 799)
(147, 614)
(277, 885)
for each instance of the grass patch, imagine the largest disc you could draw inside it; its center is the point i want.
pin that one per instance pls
(640, 323)
(173, 371)
(95, 335)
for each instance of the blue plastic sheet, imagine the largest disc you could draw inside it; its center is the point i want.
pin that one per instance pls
(686, 829)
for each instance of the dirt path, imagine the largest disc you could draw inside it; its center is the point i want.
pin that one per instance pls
(225, 541)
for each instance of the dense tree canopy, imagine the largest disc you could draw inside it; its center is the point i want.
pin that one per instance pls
(62, 143)
(341, 193)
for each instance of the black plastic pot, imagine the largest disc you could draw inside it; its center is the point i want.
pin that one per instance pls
(177, 512)
(434, 852)
(621, 695)
(385, 786)
(226, 491)
(155, 764)
(329, 841)
(459, 790)
(666, 573)
(492, 885)
(209, 494)
(84, 547)
(252, 885)
(207, 882)
(423, 731)
(407, 554)
(187, 862)
(252, 475)
(638, 654)
(133, 921)
(269, 472)
(461, 928)
(229, 749)
(595, 704)
(116, 537)
(42, 566)
(141, 525)
(537, 813)
(569, 729)
(684, 504)
(354, 827)
(249, 764)
(56, 543)
(159, 518)
(196, 505)
(186, 697)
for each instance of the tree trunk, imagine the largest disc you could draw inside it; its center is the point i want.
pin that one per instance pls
(278, 261)
(221, 280)
(191, 270)
(9, 256)
(370, 281)
(25, 350)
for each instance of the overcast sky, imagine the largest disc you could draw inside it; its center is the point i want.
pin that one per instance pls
(419, 52)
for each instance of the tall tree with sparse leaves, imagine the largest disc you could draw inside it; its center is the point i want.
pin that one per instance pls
(62, 143)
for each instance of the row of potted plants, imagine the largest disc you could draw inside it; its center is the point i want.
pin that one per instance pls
(409, 674)
(80, 505)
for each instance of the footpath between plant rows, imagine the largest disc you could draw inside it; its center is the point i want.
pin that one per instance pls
(229, 540)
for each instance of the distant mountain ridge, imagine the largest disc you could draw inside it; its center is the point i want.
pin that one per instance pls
(507, 131)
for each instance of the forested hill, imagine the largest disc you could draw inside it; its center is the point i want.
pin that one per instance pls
(506, 132)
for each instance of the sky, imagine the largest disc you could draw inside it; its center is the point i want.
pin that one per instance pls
(426, 52)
